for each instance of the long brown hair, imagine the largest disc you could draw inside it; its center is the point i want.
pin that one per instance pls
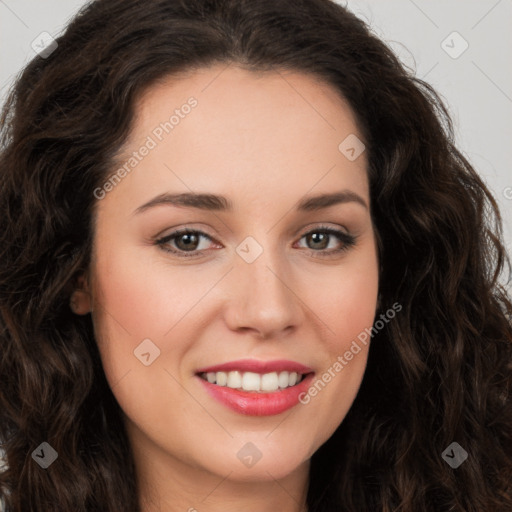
(440, 372)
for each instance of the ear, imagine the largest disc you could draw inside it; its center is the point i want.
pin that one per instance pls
(80, 300)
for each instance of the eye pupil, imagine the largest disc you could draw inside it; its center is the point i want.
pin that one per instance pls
(190, 239)
(319, 238)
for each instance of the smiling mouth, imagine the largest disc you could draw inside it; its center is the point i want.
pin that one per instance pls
(256, 382)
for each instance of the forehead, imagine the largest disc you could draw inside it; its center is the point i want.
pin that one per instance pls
(258, 130)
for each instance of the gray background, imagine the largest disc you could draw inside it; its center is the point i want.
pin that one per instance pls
(476, 86)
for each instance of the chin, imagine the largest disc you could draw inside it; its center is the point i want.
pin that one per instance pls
(260, 461)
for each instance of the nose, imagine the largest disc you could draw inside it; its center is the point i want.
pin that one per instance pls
(262, 298)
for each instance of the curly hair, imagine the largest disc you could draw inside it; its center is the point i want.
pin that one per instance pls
(440, 372)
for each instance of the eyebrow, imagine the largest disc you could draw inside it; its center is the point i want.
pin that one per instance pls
(212, 202)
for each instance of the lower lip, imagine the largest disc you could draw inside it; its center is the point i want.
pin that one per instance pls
(253, 403)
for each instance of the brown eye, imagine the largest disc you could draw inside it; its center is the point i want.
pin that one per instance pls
(187, 241)
(182, 242)
(318, 241)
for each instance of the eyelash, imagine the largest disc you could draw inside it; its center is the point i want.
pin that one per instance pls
(347, 240)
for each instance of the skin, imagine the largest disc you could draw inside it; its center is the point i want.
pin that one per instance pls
(264, 140)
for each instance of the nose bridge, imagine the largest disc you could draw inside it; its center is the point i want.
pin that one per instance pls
(264, 298)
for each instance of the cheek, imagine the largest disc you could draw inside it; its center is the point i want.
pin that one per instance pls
(131, 305)
(141, 298)
(349, 302)
(134, 308)
(350, 319)
(348, 312)
(355, 309)
(138, 298)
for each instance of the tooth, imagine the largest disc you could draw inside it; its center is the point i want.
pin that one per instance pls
(222, 378)
(251, 381)
(269, 382)
(234, 380)
(283, 380)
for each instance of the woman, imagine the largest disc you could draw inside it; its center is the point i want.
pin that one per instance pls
(243, 266)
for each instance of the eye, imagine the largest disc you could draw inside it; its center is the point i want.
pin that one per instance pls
(185, 241)
(319, 240)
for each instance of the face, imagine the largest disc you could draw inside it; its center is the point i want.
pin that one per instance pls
(265, 282)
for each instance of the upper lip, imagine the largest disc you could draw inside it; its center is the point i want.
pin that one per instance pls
(253, 365)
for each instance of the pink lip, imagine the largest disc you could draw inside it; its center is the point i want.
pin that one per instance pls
(253, 403)
(252, 365)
